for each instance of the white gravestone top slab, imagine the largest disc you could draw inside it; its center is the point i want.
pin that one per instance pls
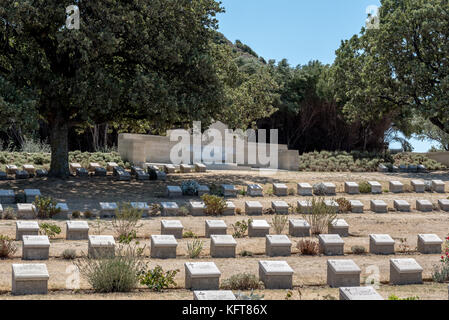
(280, 186)
(406, 265)
(26, 207)
(202, 269)
(214, 295)
(230, 204)
(417, 182)
(197, 204)
(382, 239)
(27, 225)
(36, 241)
(276, 268)
(140, 205)
(37, 271)
(430, 239)
(108, 205)
(171, 224)
(164, 240)
(253, 204)
(401, 202)
(331, 239)
(6, 193)
(255, 186)
(331, 203)
(379, 202)
(396, 183)
(344, 266)
(223, 240)
(32, 192)
(356, 203)
(260, 224)
(228, 187)
(102, 241)
(352, 184)
(174, 189)
(374, 183)
(279, 240)
(361, 293)
(169, 205)
(216, 224)
(304, 185)
(339, 223)
(77, 225)
(300, 223)
(279, 204)
(424, 202)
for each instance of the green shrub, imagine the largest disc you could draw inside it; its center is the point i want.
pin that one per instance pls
(214, 205)
(240, 228)
(155, 209)
(156, 279)
(364, 187)
(46, 207)
(190, 187)
(34, 146)
(88, 214)
(8, 214)
(49, 229)
(251, 296)
(279, 223)
(320, 216)
(126, 222)
(194, 248)
(215, 189)
(358, 249)
(76, 214)
(242, 281)
(246, 253)
(7, 247)
(189, 234)
(357, 161)
(183, 211)
(440, 272)
(308, 247)
(395, 297)
(344, 205)
(69, 254)
(119, 273)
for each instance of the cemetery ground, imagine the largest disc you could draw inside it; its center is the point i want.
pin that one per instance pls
(309, 279)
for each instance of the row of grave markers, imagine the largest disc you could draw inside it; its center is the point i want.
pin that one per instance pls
(222, 245)
(325, 188)
(198, 208)
(200, 276)
(94, 168)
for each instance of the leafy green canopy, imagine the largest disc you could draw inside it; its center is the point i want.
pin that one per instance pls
(134, 59)
(400, 70)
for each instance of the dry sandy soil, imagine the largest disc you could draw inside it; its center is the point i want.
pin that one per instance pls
(310, 272)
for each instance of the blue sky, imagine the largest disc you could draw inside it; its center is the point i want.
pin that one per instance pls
(298, 30)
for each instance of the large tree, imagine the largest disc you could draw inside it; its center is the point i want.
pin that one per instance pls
(134, 59)
(401, 69)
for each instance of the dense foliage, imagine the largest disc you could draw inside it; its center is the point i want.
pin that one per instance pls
(147, 66)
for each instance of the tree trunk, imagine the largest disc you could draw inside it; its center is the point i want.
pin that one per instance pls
(59, 143)
(436, 121)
